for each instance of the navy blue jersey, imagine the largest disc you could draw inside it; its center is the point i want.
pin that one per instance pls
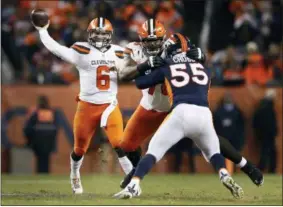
(186, 81)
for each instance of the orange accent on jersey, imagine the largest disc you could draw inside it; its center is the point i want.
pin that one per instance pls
(119, 54)
(169, 91)
(80, 49)
(158, 29)
(102, 80)
(95, 24)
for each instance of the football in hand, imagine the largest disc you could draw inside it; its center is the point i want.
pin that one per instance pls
(39, 17)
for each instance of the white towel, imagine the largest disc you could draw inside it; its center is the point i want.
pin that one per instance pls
(107, 112)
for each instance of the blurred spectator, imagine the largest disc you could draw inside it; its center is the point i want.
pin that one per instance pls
(255, 68)
(136, 13)
(259, 22)
(170, 17)
(41, 131)
(233, 72)
(265, 129)
(275, 67)
(184, 145)
(229, 121)
(43, 73)
(245, 25)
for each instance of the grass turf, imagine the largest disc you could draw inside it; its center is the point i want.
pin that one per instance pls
(179, 189)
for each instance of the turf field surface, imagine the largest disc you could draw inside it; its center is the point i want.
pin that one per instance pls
(181, 189)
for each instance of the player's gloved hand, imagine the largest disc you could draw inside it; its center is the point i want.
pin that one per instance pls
(155, 61)
(196, 54)
(41, 28)
(151, 63)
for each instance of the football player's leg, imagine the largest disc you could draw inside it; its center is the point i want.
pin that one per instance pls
(114, 131)
(84, 128)
(169, 133)
(142, 124)
(229, 152)
(208, 142)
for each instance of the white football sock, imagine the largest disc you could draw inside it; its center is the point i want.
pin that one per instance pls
(75, 167)
(223, 172)
(126, 164)
(242, 163)
(135, 180)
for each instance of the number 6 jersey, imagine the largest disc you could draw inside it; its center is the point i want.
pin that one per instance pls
(98, 83)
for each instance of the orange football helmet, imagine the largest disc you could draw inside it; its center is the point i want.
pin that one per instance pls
(152, 34)
(100, 32)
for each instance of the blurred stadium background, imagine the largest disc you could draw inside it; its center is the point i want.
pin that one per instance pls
(243, 44)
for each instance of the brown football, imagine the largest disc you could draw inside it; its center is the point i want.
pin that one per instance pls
(39, 17)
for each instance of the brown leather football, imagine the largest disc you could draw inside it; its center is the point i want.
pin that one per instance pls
(39, 17)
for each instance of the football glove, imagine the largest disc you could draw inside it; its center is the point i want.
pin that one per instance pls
(151, 63)
(196, 54)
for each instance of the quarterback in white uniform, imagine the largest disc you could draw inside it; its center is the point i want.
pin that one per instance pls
(97, 101)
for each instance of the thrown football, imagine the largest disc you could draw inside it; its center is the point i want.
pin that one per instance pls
(39, 17)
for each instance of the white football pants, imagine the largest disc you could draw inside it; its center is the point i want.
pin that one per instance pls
(186, 120)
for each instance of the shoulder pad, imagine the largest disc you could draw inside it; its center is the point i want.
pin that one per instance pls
(81, 47)
(131, 47)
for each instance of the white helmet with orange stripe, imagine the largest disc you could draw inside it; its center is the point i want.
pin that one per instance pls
(152, 34)
(100, 32)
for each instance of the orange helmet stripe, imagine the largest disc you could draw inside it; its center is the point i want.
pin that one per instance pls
(183, 42)
(101, 23)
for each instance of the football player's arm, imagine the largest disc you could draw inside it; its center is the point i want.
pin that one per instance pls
(154, 78)
(67, 54)
(131, 70)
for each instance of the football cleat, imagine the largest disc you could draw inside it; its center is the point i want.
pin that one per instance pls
(76, 185)
(127, 179)
(234, 188)
(132, 190)
(254, 174)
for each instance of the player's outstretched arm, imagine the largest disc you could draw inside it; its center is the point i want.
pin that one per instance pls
(147, 81)
(131, 70)
(40, 21)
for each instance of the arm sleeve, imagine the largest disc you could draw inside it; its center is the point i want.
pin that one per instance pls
(67, 54)
(155, 77)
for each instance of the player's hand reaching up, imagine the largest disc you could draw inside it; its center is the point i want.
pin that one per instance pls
(152, 63)
(39, 19)
(155, 61)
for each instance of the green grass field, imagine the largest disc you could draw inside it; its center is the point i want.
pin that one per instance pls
(179, 189)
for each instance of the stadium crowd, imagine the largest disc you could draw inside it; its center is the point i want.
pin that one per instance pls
(245, 49)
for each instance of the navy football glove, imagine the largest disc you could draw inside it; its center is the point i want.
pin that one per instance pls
(196, 54)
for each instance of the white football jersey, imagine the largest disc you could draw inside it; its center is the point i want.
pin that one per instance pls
(98, 83)
(154, 98)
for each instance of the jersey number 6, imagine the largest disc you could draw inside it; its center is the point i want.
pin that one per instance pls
(180, 71)
(102, 78)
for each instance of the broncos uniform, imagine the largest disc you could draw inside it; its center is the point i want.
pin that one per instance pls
(187, 84)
